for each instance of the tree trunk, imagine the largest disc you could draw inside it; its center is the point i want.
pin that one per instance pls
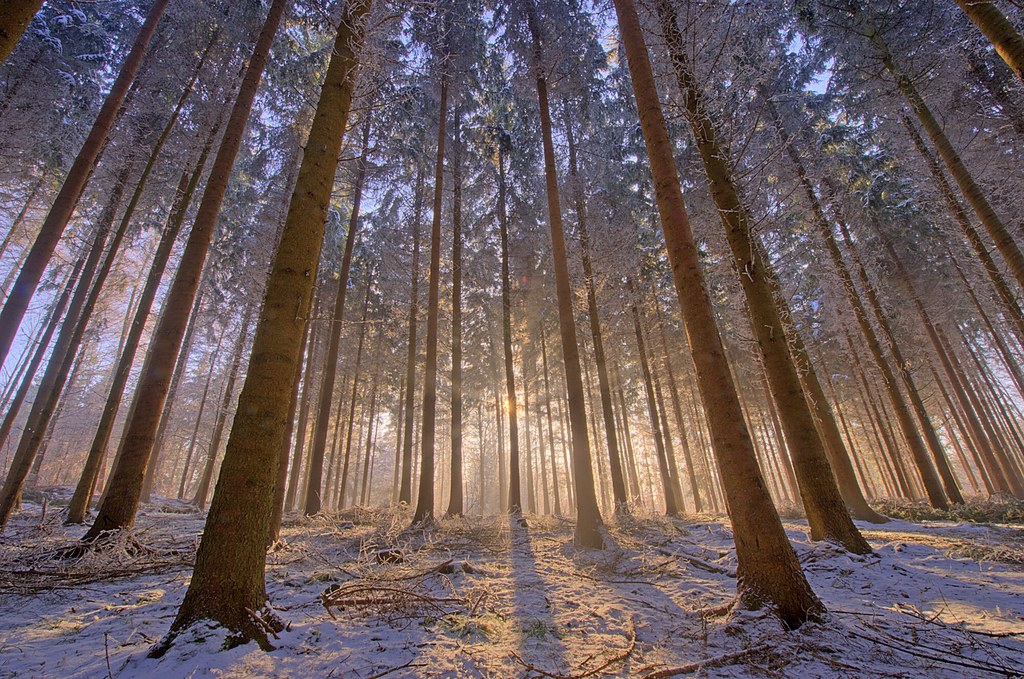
(971, 235)
(319, 443)
(227, 583)
(405, 489)
(551, 431)
(588, 516)
(302, 422)
(455, 502)
(74, 183)
(770, 318)
(62, 356)
(186, 472)
(117, 510)
(677, 410)
(916, 402)
(768, 567)
(343, 477)
(671, 508)
(514, 495)
(15, 16)
(425, 497)
(50, 327)
(180, 365)
(607, 412)
(199, 500)
(998, 29)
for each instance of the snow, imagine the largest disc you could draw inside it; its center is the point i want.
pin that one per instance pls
(476, 597)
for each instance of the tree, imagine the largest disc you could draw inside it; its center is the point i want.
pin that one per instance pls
(769, 571)
(117, 511)
(998, 29)
(15, 16)
(227, 583)
(588, 515)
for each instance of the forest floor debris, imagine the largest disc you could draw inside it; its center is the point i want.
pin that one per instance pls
(365, 596)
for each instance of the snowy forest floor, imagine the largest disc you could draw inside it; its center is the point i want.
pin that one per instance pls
(476, 597)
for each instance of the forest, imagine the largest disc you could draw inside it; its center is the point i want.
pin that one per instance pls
(511, 338)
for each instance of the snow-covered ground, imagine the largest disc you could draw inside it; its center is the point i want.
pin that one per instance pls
(475, 597)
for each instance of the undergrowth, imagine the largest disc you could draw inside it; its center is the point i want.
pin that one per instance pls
(994, 509)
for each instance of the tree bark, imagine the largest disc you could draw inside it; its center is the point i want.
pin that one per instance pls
(604, 388)
(64, 350)
(455, 501)
(97, 451)
(911, 434)
(961, 175)
(199, 500)
(514, 495)
(998, 29)
(15, 16)
(770, 318)
(405, 488)
(43, 343)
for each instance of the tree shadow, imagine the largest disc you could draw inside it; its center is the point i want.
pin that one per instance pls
(540, 646)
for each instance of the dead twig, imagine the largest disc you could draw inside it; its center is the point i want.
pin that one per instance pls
(615, 659)
(965, 662)
(726, 659)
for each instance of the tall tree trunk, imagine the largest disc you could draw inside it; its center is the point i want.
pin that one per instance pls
(405, 489)
(455, 502)
(180, 365)
(770, 318)
(916, 402)
(551, 431)
(312, 338)
(199, 500)
(998, 29)
(74, 183)
(588, 516)
(671, 506)
(20, 217)
(15, 16)
(607, 412)
(971, 235)
(343, 478)
(285, 482)
(228, 583)
(768, 567)
(425, 497)
(677, 410)
(400, 434)
(186, 472)
(319, 443)
(514, 494)
(117, 510)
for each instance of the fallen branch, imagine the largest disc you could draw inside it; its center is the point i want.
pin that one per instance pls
(615, 659)
(727, 659)
(973, 664)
